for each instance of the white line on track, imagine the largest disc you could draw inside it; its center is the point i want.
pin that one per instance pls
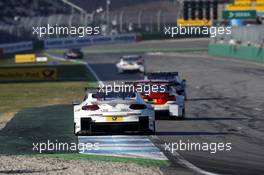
(186, 163)
(82, 62)
(94, 74)
(191, 166)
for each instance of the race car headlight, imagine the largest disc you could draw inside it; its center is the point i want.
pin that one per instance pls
(137, 106)
(90, 107)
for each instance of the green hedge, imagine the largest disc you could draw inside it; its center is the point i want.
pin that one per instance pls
(73, 72)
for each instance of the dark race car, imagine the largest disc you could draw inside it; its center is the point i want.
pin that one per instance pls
(73, 54)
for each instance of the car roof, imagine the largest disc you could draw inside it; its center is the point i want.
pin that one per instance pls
(156, 81)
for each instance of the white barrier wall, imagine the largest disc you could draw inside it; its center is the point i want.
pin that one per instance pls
(17, 47)
(84, 41)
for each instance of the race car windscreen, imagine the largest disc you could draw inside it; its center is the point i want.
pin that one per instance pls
(132, 59)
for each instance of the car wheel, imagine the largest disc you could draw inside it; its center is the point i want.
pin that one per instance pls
(183, 115)
(154, 128)
(150, 131)
(185, 96)
(173, 117)
(74, 129)
(142, 69)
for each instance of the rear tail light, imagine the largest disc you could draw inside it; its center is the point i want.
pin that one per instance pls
(171, 98)
(159, 98)
(137, 106)
(160, 101)
(90, 107)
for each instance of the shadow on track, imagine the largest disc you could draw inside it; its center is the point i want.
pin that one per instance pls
(209, 98)
(214, 118)
(190, 133)
(108, 72)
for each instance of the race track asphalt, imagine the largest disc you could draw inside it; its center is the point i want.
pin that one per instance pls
(225, 105)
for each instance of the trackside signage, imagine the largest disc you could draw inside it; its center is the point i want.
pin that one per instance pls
(28, 74)
(85, 41)
(198, 23)
(250, 14)
(25, 58)
(17, 47)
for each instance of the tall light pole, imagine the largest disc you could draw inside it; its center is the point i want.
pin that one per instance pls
(108, 2)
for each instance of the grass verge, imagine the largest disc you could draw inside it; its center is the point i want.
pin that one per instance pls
(139, 161)
(16, 96)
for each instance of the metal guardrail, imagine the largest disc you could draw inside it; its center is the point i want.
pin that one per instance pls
(84, 41)
(120, 22)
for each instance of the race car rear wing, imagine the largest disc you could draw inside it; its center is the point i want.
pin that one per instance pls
(114, 102)
(105, 92)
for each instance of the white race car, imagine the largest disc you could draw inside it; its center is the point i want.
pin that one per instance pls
(102, 113)
(172, 77)
(130, 63)
(165, 99)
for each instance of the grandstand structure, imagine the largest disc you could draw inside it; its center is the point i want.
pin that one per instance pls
(18, 17)
(12, 10)
(13, 14)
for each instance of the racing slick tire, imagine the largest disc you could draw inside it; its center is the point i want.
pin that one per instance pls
(185, 96)
(151, 132)
(74, 129)
(142, 69)
(154, 128)
(182, 117)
